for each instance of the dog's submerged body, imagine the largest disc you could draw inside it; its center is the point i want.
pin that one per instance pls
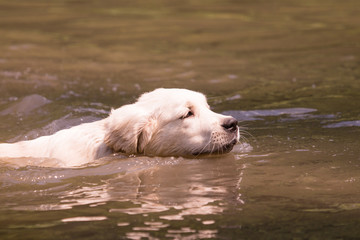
(164, 122)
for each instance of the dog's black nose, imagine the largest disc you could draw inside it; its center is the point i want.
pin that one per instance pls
(230, 124)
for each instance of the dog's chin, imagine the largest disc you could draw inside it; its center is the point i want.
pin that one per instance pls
(228, 147)
(219, 150)
(225, 148)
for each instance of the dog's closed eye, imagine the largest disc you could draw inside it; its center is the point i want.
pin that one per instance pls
(188, 114)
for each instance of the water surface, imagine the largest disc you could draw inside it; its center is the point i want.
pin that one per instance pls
(288, 70)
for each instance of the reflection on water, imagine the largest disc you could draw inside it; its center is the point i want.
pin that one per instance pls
(257, 114)
(161, 190)
(344, 124)
(287, 70)
(26, 105)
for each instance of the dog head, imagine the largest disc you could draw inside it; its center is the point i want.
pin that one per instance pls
(170, 122)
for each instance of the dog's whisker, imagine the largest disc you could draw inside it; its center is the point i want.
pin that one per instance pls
(244, 132)
(213, 148)
(203, 149)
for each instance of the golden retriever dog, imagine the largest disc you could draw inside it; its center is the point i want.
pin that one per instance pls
(164, 122)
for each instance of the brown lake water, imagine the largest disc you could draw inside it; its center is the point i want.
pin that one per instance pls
(288, 70)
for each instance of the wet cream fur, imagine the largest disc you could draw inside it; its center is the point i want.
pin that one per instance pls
(164, 122)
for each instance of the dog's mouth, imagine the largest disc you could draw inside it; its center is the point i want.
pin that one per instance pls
(225, 148)
(220, 149)
(228, 147)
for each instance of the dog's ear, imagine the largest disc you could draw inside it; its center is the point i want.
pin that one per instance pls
(128, 129)
(146, 134)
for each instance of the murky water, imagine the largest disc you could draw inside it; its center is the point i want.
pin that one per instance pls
(289, 70)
